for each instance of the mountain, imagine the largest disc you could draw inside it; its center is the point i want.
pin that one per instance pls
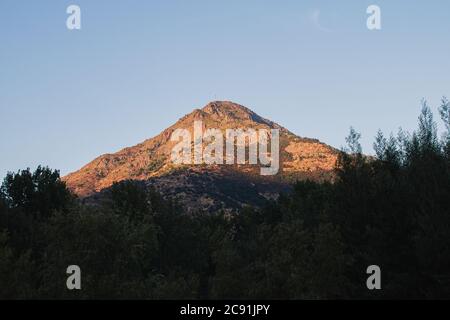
(202, 186)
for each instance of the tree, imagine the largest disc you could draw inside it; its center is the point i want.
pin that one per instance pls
(38, 194)
(353, 143)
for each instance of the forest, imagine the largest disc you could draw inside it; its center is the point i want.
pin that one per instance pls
(391, 209)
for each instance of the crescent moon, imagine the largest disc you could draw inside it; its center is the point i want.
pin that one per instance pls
(315, 19)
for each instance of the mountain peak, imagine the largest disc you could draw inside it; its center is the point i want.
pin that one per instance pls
(225, 106)
(150, 162)
(228, 112)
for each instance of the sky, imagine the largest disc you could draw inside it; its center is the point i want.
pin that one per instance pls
(136, 67)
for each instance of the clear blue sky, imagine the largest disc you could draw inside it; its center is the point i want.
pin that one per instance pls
(138, 66)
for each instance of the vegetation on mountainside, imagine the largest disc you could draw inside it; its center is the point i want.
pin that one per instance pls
(316, 242)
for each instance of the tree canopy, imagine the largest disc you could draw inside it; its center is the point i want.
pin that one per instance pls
(390, 210)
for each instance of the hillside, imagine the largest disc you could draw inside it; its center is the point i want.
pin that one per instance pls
(208, 187)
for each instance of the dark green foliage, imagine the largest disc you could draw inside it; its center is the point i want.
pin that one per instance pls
(130, 199)
(392, 210)
(116, 256)
(38, 193)
(16, 272)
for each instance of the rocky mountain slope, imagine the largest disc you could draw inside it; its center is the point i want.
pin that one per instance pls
(208, 187)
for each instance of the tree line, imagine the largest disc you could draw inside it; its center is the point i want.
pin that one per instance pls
(390, 210)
